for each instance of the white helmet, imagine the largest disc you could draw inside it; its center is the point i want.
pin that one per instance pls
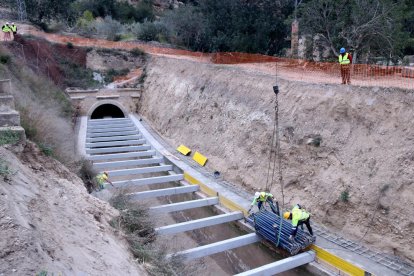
(256, 194)
(7, 23)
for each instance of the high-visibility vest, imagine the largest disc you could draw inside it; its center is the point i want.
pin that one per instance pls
(298, 215)
(101, 178)
(343, 59)
(13, 28)
(5, 28)
(261, 198)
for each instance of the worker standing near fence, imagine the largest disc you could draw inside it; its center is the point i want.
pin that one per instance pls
(299, 217)
(345, 61)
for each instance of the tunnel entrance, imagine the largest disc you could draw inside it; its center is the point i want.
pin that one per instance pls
(107, 111)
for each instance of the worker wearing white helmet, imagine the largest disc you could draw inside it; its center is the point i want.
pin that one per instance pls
(13, 28)
(260, 198)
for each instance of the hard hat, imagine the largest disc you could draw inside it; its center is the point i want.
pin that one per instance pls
(263, 194)
(7, 23)
(342, 50)
(12, 23)
(256, 194)
(286, 215)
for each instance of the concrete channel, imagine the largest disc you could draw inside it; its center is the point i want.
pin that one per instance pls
(189, 223)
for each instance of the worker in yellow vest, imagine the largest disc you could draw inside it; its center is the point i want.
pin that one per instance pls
(13, 28)
(299, 217)
(259, 200)
(6, 31)
(102, 179)
(345, 61)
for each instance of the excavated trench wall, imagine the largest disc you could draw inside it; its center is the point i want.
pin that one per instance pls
(360, 178)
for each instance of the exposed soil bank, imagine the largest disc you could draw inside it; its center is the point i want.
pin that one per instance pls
(367, 136)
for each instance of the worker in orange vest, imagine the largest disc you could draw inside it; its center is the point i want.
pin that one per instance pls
(345, 61)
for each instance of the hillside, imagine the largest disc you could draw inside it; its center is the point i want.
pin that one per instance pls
(359, 182)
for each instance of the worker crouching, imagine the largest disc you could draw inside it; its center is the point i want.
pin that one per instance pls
(259, 200)
(299, 217)
(102, 179)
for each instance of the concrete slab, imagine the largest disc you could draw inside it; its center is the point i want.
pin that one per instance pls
(198, 223)
(127, 163)
(282, 265)
(148, 181)
(115, 143)
(7, 100)
(111, 134)
(9, 118)
(154, 169)
(163, 192)
(113, 138)
(217, 247)
(115, 156)
(118, 149)
(186, 205)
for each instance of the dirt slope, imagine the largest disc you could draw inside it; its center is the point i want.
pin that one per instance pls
(367, 135)
(48, 222)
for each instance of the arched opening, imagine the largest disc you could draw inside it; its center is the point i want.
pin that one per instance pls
(107, 111)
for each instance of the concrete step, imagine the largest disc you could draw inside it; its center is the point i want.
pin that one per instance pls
(109, 123)
(7, 100)
(113, 125)
(113, 138)
(115, 129)
(9, 118)
(163, 192)
(127, 163)
(198, 223)
(154, 169)
(147, 153)
(97, 121)
(13, 134)
(148, 181)
(112, 134)
(116, 143)
(186, 205)
(217, 247)
(118, 149)
(282, 265)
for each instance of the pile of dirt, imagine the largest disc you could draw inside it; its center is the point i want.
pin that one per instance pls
(359, 179)
(49, 223)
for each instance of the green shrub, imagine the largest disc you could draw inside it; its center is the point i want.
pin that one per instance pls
(148, 31)
(137, 52)
(5, 170)
(46, 149)
(344, 196)
(69, 45)
(4, 59)
(87, 173)
(8, 137)
(112, 73)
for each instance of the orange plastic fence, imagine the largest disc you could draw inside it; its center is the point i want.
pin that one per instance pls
(291, 69)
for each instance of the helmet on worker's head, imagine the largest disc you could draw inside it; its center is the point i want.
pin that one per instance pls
(342, 50)
(286, 215)
(12, 23)
(256, 194)
(262, 194)
(7, 23)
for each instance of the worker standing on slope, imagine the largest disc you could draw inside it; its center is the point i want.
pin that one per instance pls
(101, 179)
(298, 217)
(260, 198)
(345, 60)
(13, 28)
(6, 31)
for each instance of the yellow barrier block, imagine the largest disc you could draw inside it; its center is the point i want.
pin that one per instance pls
(338, 262)
(199, 158)
(183, 150)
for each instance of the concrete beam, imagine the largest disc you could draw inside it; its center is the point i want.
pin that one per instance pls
(112, 129)
(148, 181)
(163, 192)
(198, 223)
(118, 149)
(115, 143)
(138, 162)
(217, 247)
(111, 134)
(154, 169)
(147, 153)
(282, 265)
(114, 138)
(186, 205)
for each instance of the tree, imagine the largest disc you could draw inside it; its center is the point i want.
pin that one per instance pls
(369, 27)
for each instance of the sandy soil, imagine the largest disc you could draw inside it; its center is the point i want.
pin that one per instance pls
(48, 222)
(227, 113)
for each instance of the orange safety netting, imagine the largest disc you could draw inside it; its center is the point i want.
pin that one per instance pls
(291, 69)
